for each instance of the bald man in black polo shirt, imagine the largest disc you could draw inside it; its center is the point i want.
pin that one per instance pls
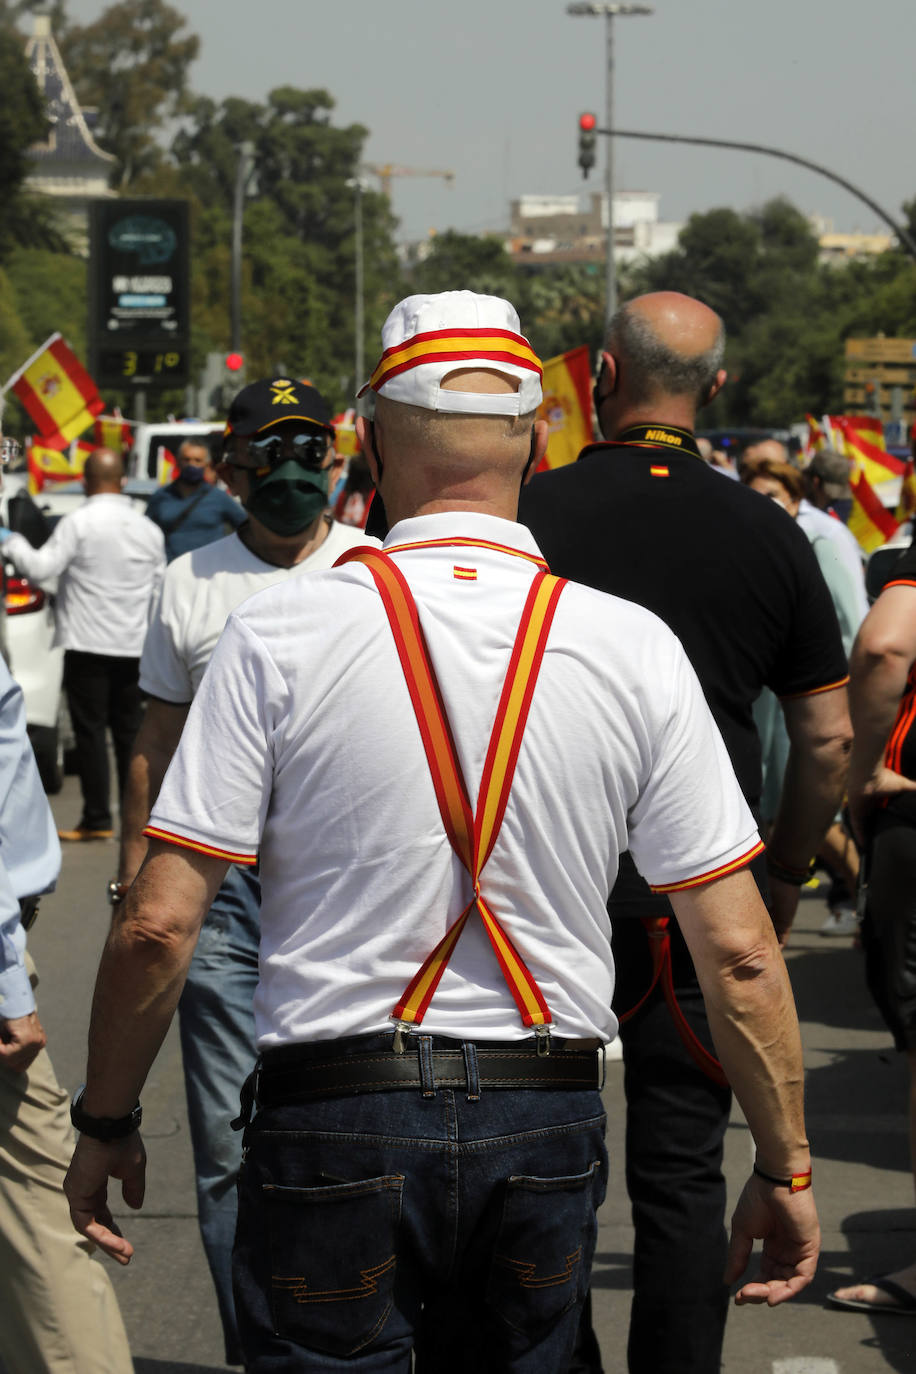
(642, 516)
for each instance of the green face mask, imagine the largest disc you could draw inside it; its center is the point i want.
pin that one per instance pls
(289, 498)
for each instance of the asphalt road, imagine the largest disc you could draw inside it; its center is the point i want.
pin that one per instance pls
(856, 1090)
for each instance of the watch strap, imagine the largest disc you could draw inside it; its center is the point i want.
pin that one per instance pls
(103, 1127)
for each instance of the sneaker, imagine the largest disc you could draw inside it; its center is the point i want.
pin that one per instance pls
(85, 832)
(843, 921)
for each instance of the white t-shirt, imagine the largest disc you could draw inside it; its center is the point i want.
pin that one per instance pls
(302, 746)
(198, 592)
(109, 560)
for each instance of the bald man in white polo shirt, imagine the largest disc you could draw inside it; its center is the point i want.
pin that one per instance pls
(437, 753)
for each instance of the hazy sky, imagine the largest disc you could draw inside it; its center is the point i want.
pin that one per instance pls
(492, 90)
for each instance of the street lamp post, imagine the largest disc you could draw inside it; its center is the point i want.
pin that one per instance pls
(359, 186)
(243, 171)
(610, 12)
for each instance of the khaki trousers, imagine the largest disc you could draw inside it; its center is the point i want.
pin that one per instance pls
(58, 1310)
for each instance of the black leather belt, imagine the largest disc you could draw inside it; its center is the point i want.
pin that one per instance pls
(285, 1076)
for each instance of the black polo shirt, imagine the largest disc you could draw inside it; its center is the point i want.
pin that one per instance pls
(726, 568)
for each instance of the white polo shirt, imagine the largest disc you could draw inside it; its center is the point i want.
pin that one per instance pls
(109, 560)
(302, 746)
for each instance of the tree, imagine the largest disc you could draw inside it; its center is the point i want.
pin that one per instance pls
(299, 234)
(132, 64)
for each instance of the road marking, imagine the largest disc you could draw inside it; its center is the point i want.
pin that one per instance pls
(805, 1364)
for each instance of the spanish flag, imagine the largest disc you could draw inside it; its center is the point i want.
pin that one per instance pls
(49, 461)
(870, 521)
(567, 407)
(112, 431)
(57, 391)
(345, 434)
(906, 506)
(861, 438)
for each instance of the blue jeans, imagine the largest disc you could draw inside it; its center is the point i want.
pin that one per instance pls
(218, 1049)
(375, 1224)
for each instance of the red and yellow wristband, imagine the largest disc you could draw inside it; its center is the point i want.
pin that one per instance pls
(796, 1184)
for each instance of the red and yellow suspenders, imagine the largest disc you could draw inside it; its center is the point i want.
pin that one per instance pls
(472, 837)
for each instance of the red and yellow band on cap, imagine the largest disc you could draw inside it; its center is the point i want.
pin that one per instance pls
(455, 346)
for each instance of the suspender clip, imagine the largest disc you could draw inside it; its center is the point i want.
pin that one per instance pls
(401, 1028)
(542, 1035)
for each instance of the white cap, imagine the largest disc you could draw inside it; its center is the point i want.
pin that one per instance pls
(426, 338)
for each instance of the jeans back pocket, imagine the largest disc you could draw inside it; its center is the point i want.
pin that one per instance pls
(544, 1248)
(333, 1261)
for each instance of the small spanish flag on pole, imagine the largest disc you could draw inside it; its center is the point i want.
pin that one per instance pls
(57, 391)
(567, 407)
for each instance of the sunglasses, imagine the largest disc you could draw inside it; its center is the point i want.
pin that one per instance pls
(309, 450)
(9, 450)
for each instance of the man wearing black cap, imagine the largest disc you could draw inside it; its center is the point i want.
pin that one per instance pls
(278, 458)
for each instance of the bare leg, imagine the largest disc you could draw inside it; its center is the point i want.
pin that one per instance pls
(906, 1278)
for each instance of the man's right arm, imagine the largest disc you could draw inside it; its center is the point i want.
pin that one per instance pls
(754, 1026)
(820, 737)
(156, 742)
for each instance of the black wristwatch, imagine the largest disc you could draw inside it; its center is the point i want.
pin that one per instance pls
(103, 1127)
(117, 891)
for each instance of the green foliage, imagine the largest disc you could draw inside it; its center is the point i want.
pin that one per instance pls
(22, 123)
(132, 64)
(299, 267)
(787, 315)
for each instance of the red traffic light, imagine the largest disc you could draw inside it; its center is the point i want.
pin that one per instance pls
(235, 362)
(587, 122)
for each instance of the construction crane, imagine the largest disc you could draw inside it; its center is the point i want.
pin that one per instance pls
(386, 170)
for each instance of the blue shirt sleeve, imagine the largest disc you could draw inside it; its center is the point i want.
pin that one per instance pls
(29, 848)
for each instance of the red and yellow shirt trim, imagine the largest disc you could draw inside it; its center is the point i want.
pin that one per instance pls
(154, 833)
(814, 691)
(710, 876)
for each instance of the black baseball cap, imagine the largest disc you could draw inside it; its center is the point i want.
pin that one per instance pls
(263, 404)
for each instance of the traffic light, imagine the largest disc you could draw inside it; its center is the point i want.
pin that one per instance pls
(587, 136)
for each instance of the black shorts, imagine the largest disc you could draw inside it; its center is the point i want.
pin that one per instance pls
(889, 925)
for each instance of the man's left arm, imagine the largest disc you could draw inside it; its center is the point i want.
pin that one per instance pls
(754, 1026)
(820, 738)
(141, 975)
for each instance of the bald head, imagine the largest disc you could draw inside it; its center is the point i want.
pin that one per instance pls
(104, 471)
(666, 346)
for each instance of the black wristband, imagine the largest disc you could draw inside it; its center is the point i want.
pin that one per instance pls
(103, 1127)
(796, 1184)
(796, 877)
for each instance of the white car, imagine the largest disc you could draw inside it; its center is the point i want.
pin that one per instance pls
(35, 663)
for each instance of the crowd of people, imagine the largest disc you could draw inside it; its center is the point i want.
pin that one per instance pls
(401, 895)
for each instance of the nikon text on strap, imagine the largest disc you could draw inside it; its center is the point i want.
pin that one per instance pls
(472, 836)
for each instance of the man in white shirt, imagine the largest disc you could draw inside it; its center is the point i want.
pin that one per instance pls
(109, 560)
(426, 1160)
(288, 531)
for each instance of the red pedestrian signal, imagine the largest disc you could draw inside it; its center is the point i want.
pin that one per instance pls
(587, 123)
